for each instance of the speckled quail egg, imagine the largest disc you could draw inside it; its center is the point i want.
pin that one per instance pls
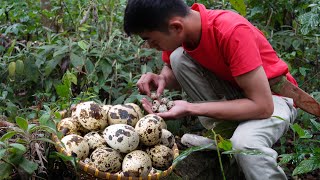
(136, 108)
(106, 159)
(149, 130)
(167, 138)
(136, 163)
(121, 137)
(119, 173)
(158, 118)
(123, 114)
(154, 109)
(153, 96)
(164, 100)
(89, 162)
(156, 103)
(162, 108)
(106, 108)
(76, 144)
(170, 104)
(69, 126)
(161, 156)
(153, 171)
(94, 140)
(91, 115)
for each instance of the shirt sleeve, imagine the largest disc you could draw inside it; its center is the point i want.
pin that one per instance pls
(242, 50)
(166, 56)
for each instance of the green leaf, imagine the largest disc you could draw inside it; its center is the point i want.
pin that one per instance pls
(303, 134)
(316, 124)
(57, 115)
(76, 61)
(303, 71)
(20, 147)
(244, 152)
(309, 21)
(279, 117)
(120, 99)
(83, 29)
(63, 90)
(285, 158)
(89, 66)
(5, 170)
(307, 165)
(83, 45)
(31, 70)
(30, 126)
(64, 158)
(61, 51)
(15, 156)
(47, 108)
(8, 135)
(22, 123)
(43, 120)
(2, 153)
(106, 68)
(48, 48)
(43, 128)
(225, 144)
(11, 48)
(44, 140)
(51, 65)
(188, 151)
(69, 78)
(240, 6)
(28, 166)
(224, 129)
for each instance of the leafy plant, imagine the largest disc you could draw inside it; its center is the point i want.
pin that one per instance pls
(306, 153)
(16, 154)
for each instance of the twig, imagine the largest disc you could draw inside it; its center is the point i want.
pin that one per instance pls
(6, 124)
(219, 156)
(64, 4)
(312, 78)
(269, 19)
(86, 16)
(40, 156)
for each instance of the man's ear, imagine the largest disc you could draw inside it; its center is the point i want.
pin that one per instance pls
(175, 25)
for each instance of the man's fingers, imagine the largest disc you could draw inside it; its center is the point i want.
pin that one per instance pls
(146, 105)
(147, 108)
(160, 89)
(165, 115)
(146, 102)
(143, 84)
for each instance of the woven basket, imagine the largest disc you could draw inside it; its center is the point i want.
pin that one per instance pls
(106, 175)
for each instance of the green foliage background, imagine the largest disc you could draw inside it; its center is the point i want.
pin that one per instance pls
(56, 53)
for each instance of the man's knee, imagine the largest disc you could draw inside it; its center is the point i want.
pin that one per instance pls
(246, 143)
(175, 58)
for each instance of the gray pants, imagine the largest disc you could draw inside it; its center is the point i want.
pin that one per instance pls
(203, 86)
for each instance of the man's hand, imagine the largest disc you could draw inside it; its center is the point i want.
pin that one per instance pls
(180, 109)
(151, 81)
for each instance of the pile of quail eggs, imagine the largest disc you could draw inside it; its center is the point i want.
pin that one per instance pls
(160, 104)
(118, 138)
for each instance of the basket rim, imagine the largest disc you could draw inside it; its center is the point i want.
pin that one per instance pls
(107, 175)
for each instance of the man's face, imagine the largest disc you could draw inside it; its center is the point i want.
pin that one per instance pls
(161, 41)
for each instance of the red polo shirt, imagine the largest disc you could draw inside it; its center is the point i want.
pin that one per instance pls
(231, 46)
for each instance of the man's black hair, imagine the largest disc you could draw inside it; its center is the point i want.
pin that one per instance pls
(152, 15)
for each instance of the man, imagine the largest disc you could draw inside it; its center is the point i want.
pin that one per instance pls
(223, 63)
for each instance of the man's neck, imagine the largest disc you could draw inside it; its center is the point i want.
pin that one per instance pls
(193, 28)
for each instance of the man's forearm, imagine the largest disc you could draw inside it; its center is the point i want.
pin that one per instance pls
(239, 109)
(171, 81)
